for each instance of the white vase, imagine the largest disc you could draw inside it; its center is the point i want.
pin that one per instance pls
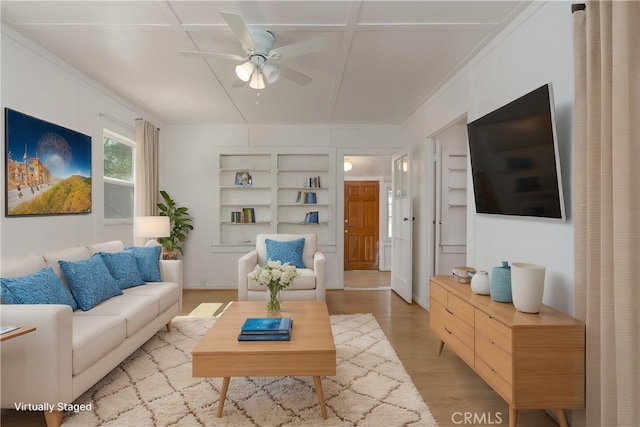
(527, 286)
(480, 283)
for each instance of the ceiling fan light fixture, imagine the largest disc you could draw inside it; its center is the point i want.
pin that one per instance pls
(257, 80)
(271, 73)
(244, 71)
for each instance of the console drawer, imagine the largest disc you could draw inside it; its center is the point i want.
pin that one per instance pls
(458, 347)
(495, 381)
(438, 293)
(462, 310)
(495, 331)
(496, 358)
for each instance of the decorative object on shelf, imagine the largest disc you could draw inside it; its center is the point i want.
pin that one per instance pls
(463, 274)
(276, 277)
(527, 286)
(243, 179)
(480, 283)
(500, 288)
(151, 227)
(180, 226)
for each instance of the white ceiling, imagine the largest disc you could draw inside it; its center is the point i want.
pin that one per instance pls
(383, 61)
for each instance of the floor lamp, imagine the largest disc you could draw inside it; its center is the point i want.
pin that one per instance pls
(151, 227)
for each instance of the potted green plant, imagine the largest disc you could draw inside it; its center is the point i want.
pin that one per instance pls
(179, 223)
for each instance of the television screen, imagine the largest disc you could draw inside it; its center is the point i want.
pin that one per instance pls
(514, 159)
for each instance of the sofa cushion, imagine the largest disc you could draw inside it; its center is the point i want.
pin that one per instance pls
(90, 281)
(148, 259)
(167, 293)
(42, 287)
(307, 280)
(71, 254)
(138, 310)
(94, 337)
(123, 267)
(113, 246)
(22, 266)
(287, 251)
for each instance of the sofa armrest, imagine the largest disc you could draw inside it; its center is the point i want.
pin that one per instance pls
(319, 263)
(37, 367)
(171, 271)
(246, 264)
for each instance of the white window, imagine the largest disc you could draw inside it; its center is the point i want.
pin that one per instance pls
(119, 176)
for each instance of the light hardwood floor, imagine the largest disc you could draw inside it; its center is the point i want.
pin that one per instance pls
(448, 386)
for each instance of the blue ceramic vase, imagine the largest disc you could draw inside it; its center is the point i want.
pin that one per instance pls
(500, 288)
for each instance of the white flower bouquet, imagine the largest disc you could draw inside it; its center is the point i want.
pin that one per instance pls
(275, 276)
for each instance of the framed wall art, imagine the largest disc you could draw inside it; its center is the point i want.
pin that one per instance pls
(48, 168)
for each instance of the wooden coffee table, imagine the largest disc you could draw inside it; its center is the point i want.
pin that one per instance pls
(311, 351)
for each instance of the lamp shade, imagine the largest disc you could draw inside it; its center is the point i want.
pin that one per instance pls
(244, 71)
(271, 73)
(257, 80)
(151, 226)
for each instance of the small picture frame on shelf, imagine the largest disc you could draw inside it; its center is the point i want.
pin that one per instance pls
(243, 179)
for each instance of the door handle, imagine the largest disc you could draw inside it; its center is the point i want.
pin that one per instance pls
(405, 219)
(346, 231)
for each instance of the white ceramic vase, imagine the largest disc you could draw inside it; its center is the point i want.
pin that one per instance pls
(480, 283)
(527, 286)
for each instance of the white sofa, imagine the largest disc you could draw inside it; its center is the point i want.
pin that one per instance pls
(71, 350)
(310, 286)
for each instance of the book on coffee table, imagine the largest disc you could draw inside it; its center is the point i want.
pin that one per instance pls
(267, 325)
(266, 329)
(264, 337)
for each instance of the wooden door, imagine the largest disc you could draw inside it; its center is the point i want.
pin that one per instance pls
(361, 227)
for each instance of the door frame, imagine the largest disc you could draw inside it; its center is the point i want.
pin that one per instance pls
(339, 211)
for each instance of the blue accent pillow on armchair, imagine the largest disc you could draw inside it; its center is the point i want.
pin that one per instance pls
(42, 287)
(286, 251)
(124, 268)
(148, 259)
(90, 281)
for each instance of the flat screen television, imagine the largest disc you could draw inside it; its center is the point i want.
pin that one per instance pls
(514, 159)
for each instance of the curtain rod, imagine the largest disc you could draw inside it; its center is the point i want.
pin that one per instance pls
(575, 7)
(116, 120)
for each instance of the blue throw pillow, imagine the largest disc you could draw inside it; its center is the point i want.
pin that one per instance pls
(90, 281)
(148, 259)
(124, 268)
(286, 251)
(42, 287)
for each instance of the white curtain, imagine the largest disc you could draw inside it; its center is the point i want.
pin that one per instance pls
(607, 208)
(147, 186)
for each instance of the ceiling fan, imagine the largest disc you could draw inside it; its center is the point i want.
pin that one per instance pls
(258, 61)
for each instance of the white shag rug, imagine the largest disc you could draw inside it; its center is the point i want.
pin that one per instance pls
(154, 386)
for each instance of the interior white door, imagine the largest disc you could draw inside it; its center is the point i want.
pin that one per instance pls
(402, 228)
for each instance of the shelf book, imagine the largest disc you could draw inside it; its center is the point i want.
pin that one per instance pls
(306, 197)
(266, 329)
(311, 217)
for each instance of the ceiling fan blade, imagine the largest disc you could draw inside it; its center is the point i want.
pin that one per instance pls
(299, 49)
(212, 55)
(239, 28)
(294, 76)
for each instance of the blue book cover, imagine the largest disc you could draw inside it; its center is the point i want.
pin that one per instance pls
(264, 337)
(267, 325)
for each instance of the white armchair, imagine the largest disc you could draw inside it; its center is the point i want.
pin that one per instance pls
(309, 286)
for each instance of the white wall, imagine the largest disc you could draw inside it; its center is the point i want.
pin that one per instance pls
(35, 82)
(188, 161)
(533, 50)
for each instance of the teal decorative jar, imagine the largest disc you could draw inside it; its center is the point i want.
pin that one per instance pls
(500, 287)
